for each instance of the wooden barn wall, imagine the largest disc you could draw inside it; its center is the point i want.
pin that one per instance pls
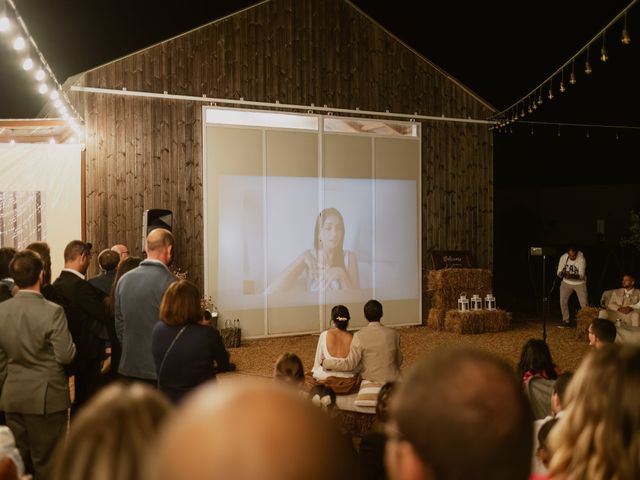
(147, 153)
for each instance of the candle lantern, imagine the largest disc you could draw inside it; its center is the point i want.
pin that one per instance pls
(463, 303)
(490, 302)
(476, 302)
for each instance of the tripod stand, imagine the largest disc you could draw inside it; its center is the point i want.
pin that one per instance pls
(545, 296)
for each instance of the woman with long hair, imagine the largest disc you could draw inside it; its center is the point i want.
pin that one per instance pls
(43, 249)
(536, 361)
(598, 436)
(328, 266)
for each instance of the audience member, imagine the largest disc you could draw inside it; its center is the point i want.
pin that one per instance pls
(108, 261)
(289, 369)
(597, 437)
(86, 314)
(323, 397)
(622, 302)
(9, 451)
(335, 343)
(137, 306)
(35, 337)
(43, 249)
(538, 373)
(186, 352)
(247, 429)
(542, 450)
(572, 268)
(121, 250)
(110, 436)
(459, 414)
(6, 282)
(375, 350)
(372, 444)
(601, 332)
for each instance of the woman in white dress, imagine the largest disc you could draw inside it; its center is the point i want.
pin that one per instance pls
(335, 343)
(328, 266)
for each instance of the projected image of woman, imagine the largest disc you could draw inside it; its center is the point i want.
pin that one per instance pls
(328, 266)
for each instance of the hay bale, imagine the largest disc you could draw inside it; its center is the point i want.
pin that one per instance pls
(448, 283)
(480, 321)
(584, 317)
(436, 318)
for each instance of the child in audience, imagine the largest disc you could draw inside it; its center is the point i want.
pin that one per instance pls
(289, 369)
(536, 361)
(543, 453)
(323, 397)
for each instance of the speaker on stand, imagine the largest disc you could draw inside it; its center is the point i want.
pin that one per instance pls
(155, 218)
(544, 252)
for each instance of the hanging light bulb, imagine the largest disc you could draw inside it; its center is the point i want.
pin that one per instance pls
(40, 75)
(587, 64)
(562, 87)
(19, 43)
(530, 109)
(626, 39)
(540, 97)
(550, 96)
(57, 103)
(522, 112)
(43, 88)
(603, 51)
(5, 24)
(572, 77)
(54, 95)
(27, 64)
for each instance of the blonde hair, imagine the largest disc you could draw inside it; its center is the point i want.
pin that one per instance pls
(598, 436)
(289, 369)
(111, 435)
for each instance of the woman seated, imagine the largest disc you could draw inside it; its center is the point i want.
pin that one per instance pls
(536, 361)
(335, 343)
(186, 353)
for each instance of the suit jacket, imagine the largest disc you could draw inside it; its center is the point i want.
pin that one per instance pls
(86, 314)
(618, 299)
(35, 337)
(376, 349)
(104, 281)
(138, 296)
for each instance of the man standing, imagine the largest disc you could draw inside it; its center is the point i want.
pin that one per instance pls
(460, 414)
(375, 348)
(137, 299)
(622, 301)
(87, 316)
(121, 250)
(35, 337)
(7, 285)
(572, 269)
(108, 261)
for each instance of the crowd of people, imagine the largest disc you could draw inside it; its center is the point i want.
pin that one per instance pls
(146, 403)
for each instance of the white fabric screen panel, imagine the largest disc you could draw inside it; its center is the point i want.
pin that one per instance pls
(43, 184)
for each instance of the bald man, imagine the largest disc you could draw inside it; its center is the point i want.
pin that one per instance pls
(460, 414)
(250, 429)
(121, 250)
(137, 300)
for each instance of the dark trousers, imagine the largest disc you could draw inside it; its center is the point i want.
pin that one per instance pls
(87, 381)
(36, 439)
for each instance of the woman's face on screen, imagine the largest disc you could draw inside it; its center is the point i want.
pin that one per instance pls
(332, 232)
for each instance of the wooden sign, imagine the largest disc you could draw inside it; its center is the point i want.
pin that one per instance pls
(451, 259)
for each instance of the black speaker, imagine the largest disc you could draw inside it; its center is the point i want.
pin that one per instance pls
(155, 218)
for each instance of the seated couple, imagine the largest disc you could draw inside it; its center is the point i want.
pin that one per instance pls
(372, 354)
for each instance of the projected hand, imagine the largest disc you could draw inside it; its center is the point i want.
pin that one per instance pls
(334, 274)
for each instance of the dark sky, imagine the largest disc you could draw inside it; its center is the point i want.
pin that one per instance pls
(499, 49)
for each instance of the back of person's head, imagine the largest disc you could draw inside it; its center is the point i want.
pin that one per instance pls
(536, 358)
(8, 469)
(373, 311)
(560, 387)
(289, 369)
(6, 254)
(323, 396)
(384, 401)
(42, 249)
(461, 414)
(158, 240)
(598, 435)
(75, 248)
(340, 317)
(25, 268)
(246, 429)
(604, 330)
(543, 447)
(108, 259)
(181, 304)
(111, 434)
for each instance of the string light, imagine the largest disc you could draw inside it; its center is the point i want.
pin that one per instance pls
(572, 77)
(27, 64)
(603, 51)
(562, 87)
(5, 24)
(19, 43)
(40, 75)
(626, 39)
(587, 65)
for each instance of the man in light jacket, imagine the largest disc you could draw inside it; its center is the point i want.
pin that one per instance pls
(572, 269)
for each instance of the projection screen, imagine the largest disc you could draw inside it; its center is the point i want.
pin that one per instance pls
(304, 212)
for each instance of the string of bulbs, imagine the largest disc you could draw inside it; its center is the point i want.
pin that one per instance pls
(48, 84)
(534, 98)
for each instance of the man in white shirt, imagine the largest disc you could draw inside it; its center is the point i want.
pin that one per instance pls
(572, 269)
(622, 302)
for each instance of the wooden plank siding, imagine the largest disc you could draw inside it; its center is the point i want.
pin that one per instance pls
(147, 153)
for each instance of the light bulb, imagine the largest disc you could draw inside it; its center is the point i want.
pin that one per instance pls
(572, 78)
(626, 39)
(540, 99)
(27, 64)
(54, 95)
(550, 96)
(43, 88)
(603, 54)
(19, 43)
(530, 110)
(57, 103)
(40, 75)
(587, 68)
(562, 88)
(5, 24)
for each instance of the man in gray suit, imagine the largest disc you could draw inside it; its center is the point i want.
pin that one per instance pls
(35, 337)
(375, 348)
(137, 298)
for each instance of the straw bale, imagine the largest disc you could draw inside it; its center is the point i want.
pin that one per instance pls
(480, 321)
(436, 318)
(448, 283)
(584, 317)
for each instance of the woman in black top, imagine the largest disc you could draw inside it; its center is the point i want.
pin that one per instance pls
(186, 352)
